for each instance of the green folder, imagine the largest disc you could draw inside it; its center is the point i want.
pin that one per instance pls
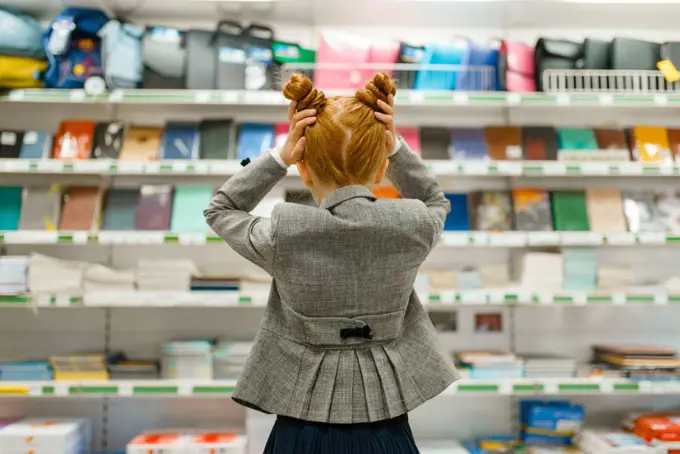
(187, 209)
(10, 207)
(577, 139)
(569, 211)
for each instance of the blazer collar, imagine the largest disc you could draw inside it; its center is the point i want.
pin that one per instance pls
(344, 194)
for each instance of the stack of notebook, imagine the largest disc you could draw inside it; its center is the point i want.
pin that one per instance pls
(165, 275)
(53, 435)
(230, 359)
(191, 360)
(491, 365)
(548, 366)
(102, 278)
(79, 367)
(580, 269)
(50, 275)
(615, 276)
(28, 371)
(643, 363)
(542, 271)
(13, 275)
(133, 370)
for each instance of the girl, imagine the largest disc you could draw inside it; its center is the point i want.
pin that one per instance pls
(345, 349)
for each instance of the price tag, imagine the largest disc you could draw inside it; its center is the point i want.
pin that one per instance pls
(145, 238)
(475, 168)
(563, 99)
(630, 168)
(92, 166)
(661, 100)
(606, 387)
(444, 167)
(203, 97)
(179, 167)
(479, 238)
(263, 97)
(553, 168)
(666, 168)
(152, 167)
(125, 389)
(607, 100)
(652, 237)
(42, 300)
(8, 138)
(50, 165)
(30, 237)
(62, 300)
(505, 387)
(496, 297)
(416, 97)
(660, 299)
(514, 99)
(508, 239)
(185, 389)
(17, 165)
(621, 239)
(509, 167)
(16, 95)
(201, 168)
(192, 238)
(579, 299)
(543, 238)
(61, 389)
(455, 239)
(472, 297)
(130, 167)
(77, 95)
(35, 389)
(594, 168)
(80, 237)
(116, 96)
(230, 97)
(644, 387)
(461, 99)
(618, 299)
(581, 238)
(550, 387)
(545, 299)
(223, 167)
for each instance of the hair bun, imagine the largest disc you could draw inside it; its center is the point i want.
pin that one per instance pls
(300, 89)
(380, 88)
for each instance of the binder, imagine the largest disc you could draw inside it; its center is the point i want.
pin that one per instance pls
(108, 140)
(155, 208)
(141, 144)
(120, 209)
(81, 208)
(36, 145)
(180, 141)
(41, 208)
(187, 209)
(532, 209)
(10, 207)
(216, 140)
(458, 218)
(74, 140)
(10, 144)
(468, 144)
(254, 139)
(569, 211)
(503, 142)
(539, 143)
(651, 144)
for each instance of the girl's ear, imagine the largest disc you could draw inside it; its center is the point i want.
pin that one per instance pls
(305, 175)
(382, 170)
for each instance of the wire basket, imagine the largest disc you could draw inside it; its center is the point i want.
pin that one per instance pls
(616, 81)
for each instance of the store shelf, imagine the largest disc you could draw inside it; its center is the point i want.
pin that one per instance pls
(224, 388)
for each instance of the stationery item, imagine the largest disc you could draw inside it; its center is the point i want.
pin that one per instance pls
(409, 55)
(81, 208)
(612, 441)
(642, 212)
(165, 275)
(164, 56)
(10, 207)
(120, 209)
(13, 277)
(491, 211)
(605, 210)
(614, 276)
(338, 49)
(491, 365)
(230, 359)
(441, 280)
(254, 139)
(547, 366)
(576, 139)
(611, 139)
(142, 144)
(187, 360)
(435, 143)
(580, 269)
(516, 67)
(441, 54)
(79, 366)
(108, 140)
(651, 144)
(74, 140)
(468, 144)
(217, 137)
(258, 40)
(296, 56)
(503, 142)
(36, 145)
(155, 208)
(597, 54)
(41, 208)
(382, 55)
(480, 68)
(540, 143)
(669, 208)
(187, 209)
(532, 209)
(556, 54)
(411, 136)
(662, 428)
(569, 210)
(101, 278)
(180, 141)
(10, 144)
(51, 276)
(458, 219)
(550, 422)
(134, 370)
(231, 56)
(53, 435)
(468, 279)
(27, 371)
(201, 62)
(674, 142)
(541, 271)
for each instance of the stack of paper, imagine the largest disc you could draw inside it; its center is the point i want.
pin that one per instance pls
(165, 275)
(580, 269)
(548, 366)
(182, 442)
(612, 441)
(58, 436)
(491, 365)
(542, 271)
(230, 359)
(612, 276)
(495, 275)
(50, 275)
(190, 360)
(102, 278)
(13, 275)
(442, 447)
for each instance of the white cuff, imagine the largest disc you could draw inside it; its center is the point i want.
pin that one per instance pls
(397, 146)
(276, 154)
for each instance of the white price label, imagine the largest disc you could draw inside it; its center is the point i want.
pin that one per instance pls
(660, 299)
(550, 387)
(62, 300)
(130, 168)
(180, 167)
(92, 166)
(553, 168)
(455, 239)
(17, 165)
(618, 299)
(630, 168)
(508, 239)
(125, 389)
(594, 168)
(545, 299)
(661, 100)
(543, 238)
(505, 388)
(496, 297)
(230, 97)
(509, 168)
(42, 300)
(621, 239)
(152, 167)
(35, 389)
(579, 299)
(475, 167)
(191, 238)
(444, 167)
(80, 237)
(77, 95)
(479, 238)
(50, 165)
(30, 237)
(223, 167)
(606, 387)
(201, 168)
(514, 99)
(185, 389)
(563, 99)
(16, 95)
(263, 97)
(203, 97)
(652, 237)
(416, 97)
(461, 99)
(472, 297)
(8, 138)
(606, 100)
(116, 96)
(61, 389)
(581, 238)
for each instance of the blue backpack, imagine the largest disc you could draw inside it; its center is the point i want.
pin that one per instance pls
(20, 35)
(73, 48)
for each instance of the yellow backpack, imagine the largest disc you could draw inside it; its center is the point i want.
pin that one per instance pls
(20, 72)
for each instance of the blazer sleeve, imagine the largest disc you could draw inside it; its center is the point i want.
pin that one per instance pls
(229, 211)
(411, 177)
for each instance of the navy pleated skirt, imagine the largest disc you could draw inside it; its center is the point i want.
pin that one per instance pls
(293, 436)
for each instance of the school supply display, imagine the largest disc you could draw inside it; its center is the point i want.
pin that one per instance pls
(169, 275)
(612, 441)
(79, 367)
(187, 360)
(26, 371)
(53, 435)
(13, 275)
(550, 422)
(180, 442)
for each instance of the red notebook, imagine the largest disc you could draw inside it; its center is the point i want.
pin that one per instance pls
(74, 140)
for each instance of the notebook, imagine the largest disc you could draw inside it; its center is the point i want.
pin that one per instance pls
(503, 142)
(10, 207)
(216, 139)
(651, 144)
(458, 218)
(10, 144)
(576, 139)
(532, 209)
(187, 209)
(41, 209)
(611, 139)
(468, 144)
(155, 208)
(108, 140)
(491, 211)
(539, 143)
(36, 145)
(642, 212)
(435, 143)
(74, 140)
(81, 208)
(120, 209)
(343, 52)
(674, 141)
(605, 210)
(180, 141)
(569, 211)
(254, 139)
(141, 144)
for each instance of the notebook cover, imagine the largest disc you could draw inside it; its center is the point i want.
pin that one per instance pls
(81, 208)
(569, 211)
(435, 143)
(35, 145)
(180, 141)
(674, 142)
(458, 218)
(669, 207)
(216, 139)
(41, 208)
(642, 212)
(254, 139)
(10, 207)
(491, 211)
(120, 209)
(74, 140)
(468, 144)
(412, 138)
(10, 144)
(142, 144)
(611, 139)
(540, 143)
(108, 140)
(651, 144)
(532, 209)
(605, 210)
(187, 209)
(503, 142)
(576, 139)
(155, 208)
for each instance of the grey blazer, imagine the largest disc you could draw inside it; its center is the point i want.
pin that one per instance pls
(344, 338)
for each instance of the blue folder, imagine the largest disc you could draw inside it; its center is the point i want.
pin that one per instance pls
(10, 207)
(180, 141)
(458, 219)
(468, 144)
(441, 54)
(187, 209)
(35, 145)
(254, 139)
(482, 75)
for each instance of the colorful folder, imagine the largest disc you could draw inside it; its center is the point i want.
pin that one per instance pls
(532, 209)
(216, 139)
(503, 142)
(74, 140)
(41, 209)
(155, 208)
(458, 219)
(570, 211)
(120, 209)
(141, 144)
(180, 141)
(10, 207)
(468, 144)
(187, 209)
(651, 144)
(81, 208)
(576, 139)
(10, 144)
(540, 143)
(254, 139)
(36, 145)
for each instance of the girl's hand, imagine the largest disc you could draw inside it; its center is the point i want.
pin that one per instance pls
(294, 147)
(388, 118)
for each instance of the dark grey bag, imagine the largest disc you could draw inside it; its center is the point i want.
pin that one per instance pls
(201, 60)
(164, 54)
(231, 56)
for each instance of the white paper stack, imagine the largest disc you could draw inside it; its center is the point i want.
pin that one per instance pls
(102, 278)
(191, 360)
(612, 441)
(51, 275)
(165, 275)
(442, 447)
(13, 275)
(495, 276)
(548, 366)
(47, 436)
(230, 359)
(542, 271)
(612, 276)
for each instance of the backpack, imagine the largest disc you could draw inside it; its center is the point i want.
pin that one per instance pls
(73, 48)
(122, 54)
(20, 35)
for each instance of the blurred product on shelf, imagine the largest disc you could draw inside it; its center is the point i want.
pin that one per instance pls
(52, 275)
(612, 441)
(26, 371)
(642, 212)
(230, 359)
(182, 442)
(532, 209)
(21, 50)
(489, 365)
(552, 423)
(124, 369)
(580, 269)
(547, 366)
(165, 275)
(542, 271)
(54, 435)
(639, 363)
(184, 360)
(13, 275)
(80, 366)
(491, 211)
